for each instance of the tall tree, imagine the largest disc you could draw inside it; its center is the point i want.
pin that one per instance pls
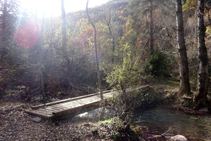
(143, 7)
(64, 40)
(183, 61)
(108, 23)
(41, 60)
(64, 45)
(151, 28)
(4, 22)
(97, 61)
(200, 96)
(9, 11)
(146, 7)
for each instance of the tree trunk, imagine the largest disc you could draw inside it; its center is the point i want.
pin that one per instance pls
(4, 22)
(110, 31)
(183, 60)
(41, 62)
(64, 40)
(97, 61)
(4, 37)
(113, 43)
(151, 29)
(200, 96)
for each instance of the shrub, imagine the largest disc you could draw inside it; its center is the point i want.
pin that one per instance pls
(123, 76)
(158, 64)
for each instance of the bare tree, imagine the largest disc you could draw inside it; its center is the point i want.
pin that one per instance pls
(108, 23)
(151, 28)
(64, 40)
(64, 44)
(4, 22)
(200, 96)
(97, 61)
(41, 61)
(9, 11)
(183, 61)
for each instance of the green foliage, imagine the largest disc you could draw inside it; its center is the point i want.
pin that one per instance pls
(120, 130)
(157, 64)
(189, 5)
(132, 38)
(116, 135)
(208, 31)
(145, 99)
(126, 74)
(193, 70)
(122, 77)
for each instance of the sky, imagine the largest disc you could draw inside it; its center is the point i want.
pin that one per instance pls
(54, 6)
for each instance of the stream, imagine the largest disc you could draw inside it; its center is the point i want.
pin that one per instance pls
(161, 119)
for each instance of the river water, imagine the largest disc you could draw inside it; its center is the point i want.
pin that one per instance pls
(161, 119)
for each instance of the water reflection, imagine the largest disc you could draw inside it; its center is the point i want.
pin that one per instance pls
(95, 114)
(161, 119)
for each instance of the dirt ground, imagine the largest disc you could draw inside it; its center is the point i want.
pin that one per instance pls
(16, 125)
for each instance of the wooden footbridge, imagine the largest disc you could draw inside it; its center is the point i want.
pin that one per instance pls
(72, 105)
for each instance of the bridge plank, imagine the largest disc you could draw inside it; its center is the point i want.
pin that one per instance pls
(72, 105)
(66, 100)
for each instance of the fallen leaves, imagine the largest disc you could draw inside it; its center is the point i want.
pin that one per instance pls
(17, 125)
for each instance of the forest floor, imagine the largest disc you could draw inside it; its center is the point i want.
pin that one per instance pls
(17, 125)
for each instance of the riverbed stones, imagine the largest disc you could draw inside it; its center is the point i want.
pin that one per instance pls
(36, 119)
(95, 131)
(178, 138)
(204, 110)
(157, 138)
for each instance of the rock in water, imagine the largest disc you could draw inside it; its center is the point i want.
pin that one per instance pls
(36, 119)
(204, 110)
(178, 138)
(157, 138)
